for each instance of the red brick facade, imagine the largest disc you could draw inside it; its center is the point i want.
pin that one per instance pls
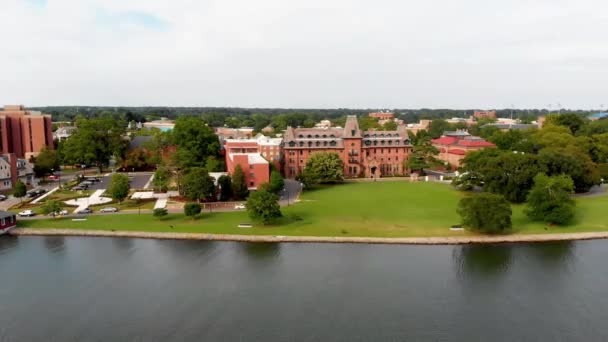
(364, 153)
(453, 146)
(382, 115)
(24, 132)
(490, 114)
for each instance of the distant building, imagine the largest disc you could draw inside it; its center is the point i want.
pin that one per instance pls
(364, 153)
(323, 124)
(598, 116)
(516, 126)
(382, 115)
(480, 114)
(454, 145)
(164, 125)
(226, 133)
(468, 121)
(24, 132)
(13, 169)
(268, 148)
(420, 126)
(62, 133)
(254, 156)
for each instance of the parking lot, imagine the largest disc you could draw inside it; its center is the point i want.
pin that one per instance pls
(137, 181)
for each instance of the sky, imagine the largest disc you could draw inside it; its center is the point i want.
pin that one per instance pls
(379, 54)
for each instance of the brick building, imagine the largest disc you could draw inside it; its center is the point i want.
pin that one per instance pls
(483, 114)
(226, 133)
(24, 132)
(382, 115)
(364, 153)
(254, 156)
(453, 146)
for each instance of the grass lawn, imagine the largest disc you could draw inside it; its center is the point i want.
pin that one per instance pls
(381, 209)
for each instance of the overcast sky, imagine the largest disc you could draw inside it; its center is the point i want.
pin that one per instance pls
(305, 53)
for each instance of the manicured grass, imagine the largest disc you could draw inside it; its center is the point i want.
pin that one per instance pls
(381, 209)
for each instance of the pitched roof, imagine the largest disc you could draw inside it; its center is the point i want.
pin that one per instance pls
(457, 151)
(5, 214)
(475, 143)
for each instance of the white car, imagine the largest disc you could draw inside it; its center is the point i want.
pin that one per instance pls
(26, 213)
(108, 210)
(239, 206)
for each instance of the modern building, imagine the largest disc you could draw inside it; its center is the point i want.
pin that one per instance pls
(422, 125)
(507, 127)
(255, 156)
(598, 116)
(164, 124)
(454, 145)
(13, 169)
(24, 132)
(482, 114)
(382, 115)
(364, 153)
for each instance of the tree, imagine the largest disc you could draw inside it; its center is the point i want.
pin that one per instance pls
(437, 127)
(239, 184)
(95, 142)
(192, 209)
(325, 167)
(195, 141)
(422, 157)
(137, 159)
(197, 185)
(119, 187)
(573, 121)
(276, 182)
(389, 126)
(20, 190)
(225, 185)
(486, 213)
(550, 201)
(160, 213)
(45, 162)
(51, 207)
(264, 206)
(572, 162)
(161, 180)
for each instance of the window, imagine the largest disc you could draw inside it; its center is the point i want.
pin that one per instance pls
(355, 170)
(301, 161)
(2, 222)
(300, 136)
(316, 136)
(352, 133)
(301, 143)
(292, 143)
(251, 175)
(325, 143)
(250, 167)
(301, 152)
(309, 136)
(250, 183)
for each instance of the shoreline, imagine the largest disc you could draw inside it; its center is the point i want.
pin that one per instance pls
(460, 240)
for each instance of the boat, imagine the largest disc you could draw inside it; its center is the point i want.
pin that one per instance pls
(8, 221)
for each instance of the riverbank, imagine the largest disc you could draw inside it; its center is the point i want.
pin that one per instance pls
(461, 240)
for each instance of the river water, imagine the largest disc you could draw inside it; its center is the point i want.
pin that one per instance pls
(103, 289)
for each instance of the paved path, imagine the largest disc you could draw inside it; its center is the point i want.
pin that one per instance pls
(482, 239)
(94, 199)
(160, 203)
(45, 195)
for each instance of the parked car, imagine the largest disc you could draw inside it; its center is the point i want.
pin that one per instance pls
(59, 213)
(3, 198)
(239, 206)
(85, 211)
(32, 194)
(87, 183)
(78, 188)
(40, 191)
(108, 210)
(92, 179)
(53, 177)
(26, 213)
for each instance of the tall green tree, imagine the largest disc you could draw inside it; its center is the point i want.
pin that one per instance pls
(550, 201)
(192, 209)
(572, 162)
(51, 207)
(195, 141)
(422, 156)
(20, 190)
(486, 213)
(264, 206)
(161, 180)
(95, 142)
(225, 185)
(119, 187)
(276, 183)
(197, 185)
(325, 167)
(46, 162)
(572, 121)
(239, 184)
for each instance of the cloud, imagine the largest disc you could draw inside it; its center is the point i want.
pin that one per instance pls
(315, 53)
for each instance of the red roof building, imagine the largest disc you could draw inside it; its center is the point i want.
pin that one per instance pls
(453, 146)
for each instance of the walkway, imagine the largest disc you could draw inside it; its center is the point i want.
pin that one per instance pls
(45, 195)
(481, 239)
(85, 202)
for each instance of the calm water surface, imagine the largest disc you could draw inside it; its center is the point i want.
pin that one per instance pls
(99, 289)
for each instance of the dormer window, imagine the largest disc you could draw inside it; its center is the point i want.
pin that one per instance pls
(292, 143)
(332, 143)
(316, 136)
(301, 143)
(309, 136)
(318, 143)
(352, 133)
(300, 136)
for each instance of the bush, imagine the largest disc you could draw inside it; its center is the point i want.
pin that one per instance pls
(549, 200)
(192, 209)
(264, 206)
(486, 213)
(160, 212)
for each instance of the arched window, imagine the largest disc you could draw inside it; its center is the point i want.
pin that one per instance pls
(390, 142)
(309, 143)
(325, 143)
(300, 136)
(375, 142)
(309, 136)
(332, 136)
(382, 142)
(324, 136)
(301, 143)
(316, 136)
(292, 143)
(318, 143)
(406, 141)
(332, 143)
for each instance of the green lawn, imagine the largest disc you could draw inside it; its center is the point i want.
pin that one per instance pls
(381, 209)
